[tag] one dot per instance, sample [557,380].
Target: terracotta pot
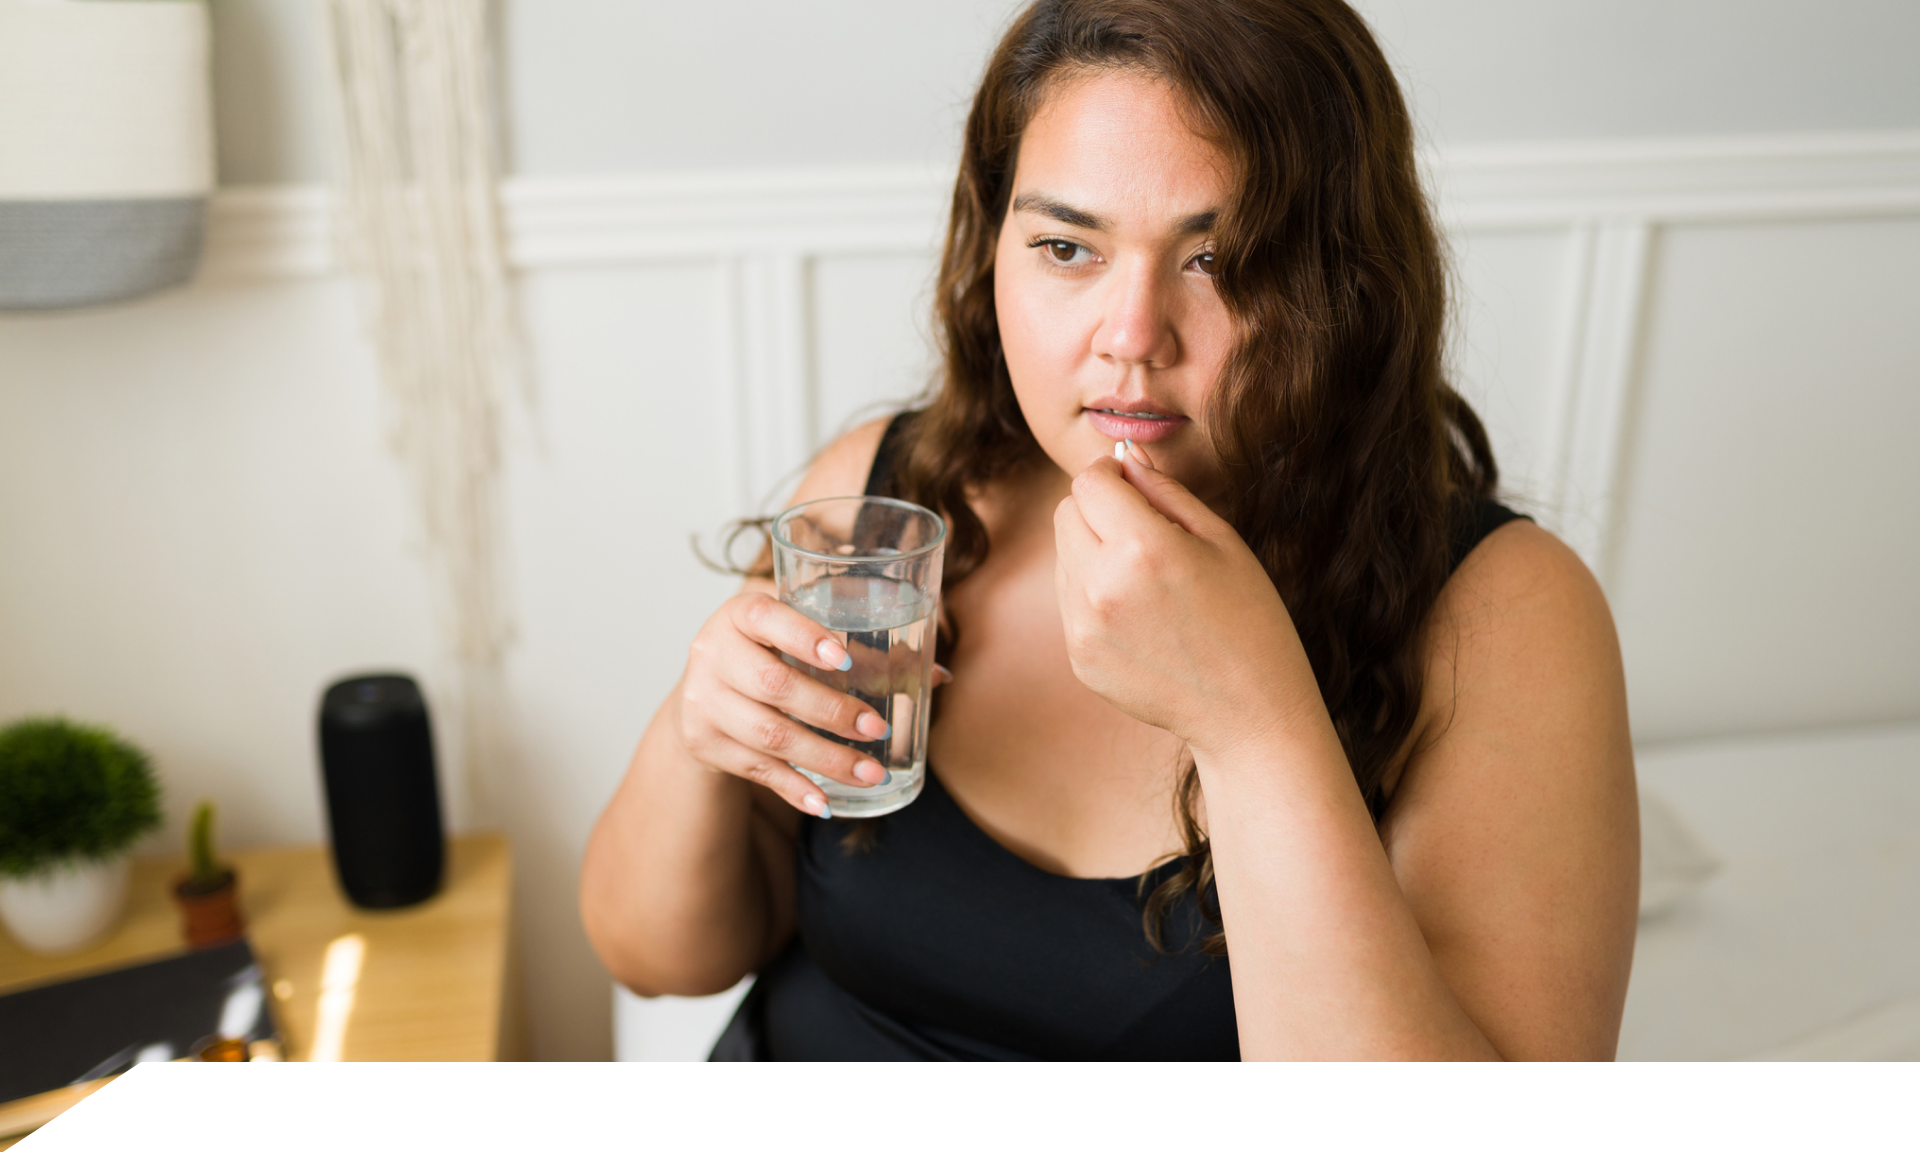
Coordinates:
[211,917]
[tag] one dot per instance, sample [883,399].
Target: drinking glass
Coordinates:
[868,568]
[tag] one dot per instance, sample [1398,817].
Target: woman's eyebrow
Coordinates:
[1073,217]
[1198,222]
[1046,205]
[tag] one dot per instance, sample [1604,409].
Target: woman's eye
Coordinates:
[1063,251]
[1202,263]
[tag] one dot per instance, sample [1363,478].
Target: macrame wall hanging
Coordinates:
[418,222]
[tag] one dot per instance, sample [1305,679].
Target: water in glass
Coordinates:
[887,627]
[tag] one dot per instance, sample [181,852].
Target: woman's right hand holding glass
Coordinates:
[745,711]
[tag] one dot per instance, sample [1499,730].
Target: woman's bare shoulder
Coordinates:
[841,467]
[1523,595]
[1521,629]
[1514,830]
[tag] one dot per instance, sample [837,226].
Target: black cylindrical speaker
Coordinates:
[376,752]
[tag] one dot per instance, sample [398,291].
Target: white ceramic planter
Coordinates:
[66,907]
[106,148]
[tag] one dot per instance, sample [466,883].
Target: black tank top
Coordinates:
[937,943]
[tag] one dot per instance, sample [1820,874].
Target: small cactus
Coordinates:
[207,872]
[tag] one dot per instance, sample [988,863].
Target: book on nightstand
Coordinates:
[95,1026]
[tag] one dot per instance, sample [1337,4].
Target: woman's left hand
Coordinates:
[1168,613]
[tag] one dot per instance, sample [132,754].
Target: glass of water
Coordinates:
[868,568]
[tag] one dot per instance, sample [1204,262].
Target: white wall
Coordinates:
[1693,355]
[1486,70]
[619,86]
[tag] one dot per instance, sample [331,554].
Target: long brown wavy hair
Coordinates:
[1351,461]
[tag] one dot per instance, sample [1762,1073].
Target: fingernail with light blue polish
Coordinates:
[887,779]
[826,649]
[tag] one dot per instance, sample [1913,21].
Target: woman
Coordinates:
[1276,738]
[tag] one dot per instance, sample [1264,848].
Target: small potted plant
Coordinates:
[73,799]
[209,894]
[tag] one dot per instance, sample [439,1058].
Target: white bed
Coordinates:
[1806,943]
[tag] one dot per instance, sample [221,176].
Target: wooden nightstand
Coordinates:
[433,982]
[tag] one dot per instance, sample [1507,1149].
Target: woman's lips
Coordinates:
[1123,424]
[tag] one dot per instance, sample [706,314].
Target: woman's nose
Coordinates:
[1136,326]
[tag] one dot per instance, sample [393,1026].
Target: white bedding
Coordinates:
[1805,944]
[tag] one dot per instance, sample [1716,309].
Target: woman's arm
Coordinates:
[687,883]
[1497,918]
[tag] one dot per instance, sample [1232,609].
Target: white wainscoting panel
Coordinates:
[1594,380]
[872,334]
[1506,347]
[769,354]
[1768,565]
